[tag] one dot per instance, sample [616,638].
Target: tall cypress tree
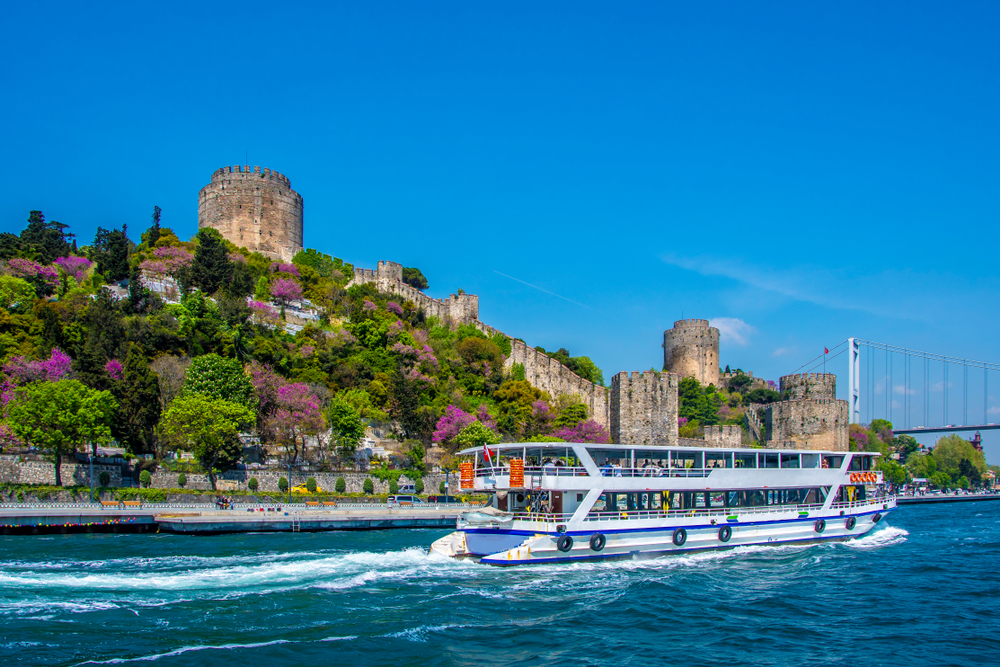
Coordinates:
[212,267]
[138,396]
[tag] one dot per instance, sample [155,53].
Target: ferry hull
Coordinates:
[536,548]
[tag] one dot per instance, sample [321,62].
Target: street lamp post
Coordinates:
[289,481]
[447,479]
[91,476]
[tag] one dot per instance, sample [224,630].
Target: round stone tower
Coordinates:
[809,385]
[691,349]
[257,210]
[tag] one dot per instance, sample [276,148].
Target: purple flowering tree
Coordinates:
[167,261]
[290,269]
[265,383]
[114,369]
[297,415]
[44,278]
[452,421]
[263,314]
[19,371]
[284,290]
[394,307]
[585,431]
[74,266]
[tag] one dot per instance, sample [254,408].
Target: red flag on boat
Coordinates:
[488,455]
[826,351]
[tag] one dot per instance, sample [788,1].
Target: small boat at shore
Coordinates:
[559,502]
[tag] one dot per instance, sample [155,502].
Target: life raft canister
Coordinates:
[851,522]
[597,542]
[565,543]
[680,537]
[725,533]
[820,526]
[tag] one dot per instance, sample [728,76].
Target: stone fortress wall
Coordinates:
[809,385]
[388,279]
[256,209]
[755,383]
[643,408]
[691,349]
[807,424]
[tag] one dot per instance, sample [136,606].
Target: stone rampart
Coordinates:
[810,424]
[643,408]
[725,435]
[691,349]
[255,209]
[547,374]
[809,385]
[388,279]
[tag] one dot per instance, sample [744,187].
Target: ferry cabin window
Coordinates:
[789,460]
[770,461]
[718,459]
[687,459]
[833,462]
[745,460]
[861,462]
[810,460]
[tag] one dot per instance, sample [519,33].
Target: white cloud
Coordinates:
[903,391]
[993,410]
[782,351]
[732,329]
[939,386]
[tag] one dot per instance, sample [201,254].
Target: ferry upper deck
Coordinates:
[571,466]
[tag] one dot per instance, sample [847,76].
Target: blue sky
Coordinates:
[797,172]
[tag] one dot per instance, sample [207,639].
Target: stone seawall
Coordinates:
[267,480]
[42,472]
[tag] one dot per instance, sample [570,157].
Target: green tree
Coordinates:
[182,480]
[413,277]
[102,336]
[441,488]
[514,401]
[16,293]
[47,240]
[894,473]
[218,377]
[138,404]
[477,434]
[951,449]
[145,479]
[207,427]
[104,479]
[152,234]
[253,484]
[346,429]
[61,417]
[110,251]
[941,480]
[212,267]
[393,486]
[921,466]
[282,484]
[340,485]
[762,396]
[311,485]
[419,485]
[369,486]
[571,415]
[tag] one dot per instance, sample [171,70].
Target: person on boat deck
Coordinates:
[606,469]
[617,470]
[560,463]
[548,466]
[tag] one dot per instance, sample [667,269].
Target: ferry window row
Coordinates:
[687,500]
[646,459]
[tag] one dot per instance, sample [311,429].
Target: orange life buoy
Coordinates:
[854,476]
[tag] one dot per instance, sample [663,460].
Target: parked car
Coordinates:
[404,501]
[443,499]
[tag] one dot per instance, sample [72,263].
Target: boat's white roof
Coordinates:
[654,448]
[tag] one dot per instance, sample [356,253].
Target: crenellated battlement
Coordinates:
[643,408]
[809,385]
[691,323]
[244,171]
[388,279]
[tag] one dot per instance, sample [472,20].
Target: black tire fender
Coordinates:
[851,522]
[820,525]
[876,518]
[565,543]
[680,537]
[725,534]
[597,542]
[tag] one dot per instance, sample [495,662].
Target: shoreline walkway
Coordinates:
[943,498]
[194,520]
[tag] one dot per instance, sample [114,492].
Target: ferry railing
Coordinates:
[632,515]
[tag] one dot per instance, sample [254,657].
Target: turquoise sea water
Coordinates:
[921,590]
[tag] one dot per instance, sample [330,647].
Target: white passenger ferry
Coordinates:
[555,502]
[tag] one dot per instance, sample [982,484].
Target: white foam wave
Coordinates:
[22,607]
[183,650]
[883,537]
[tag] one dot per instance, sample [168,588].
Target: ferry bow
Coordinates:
[557,502]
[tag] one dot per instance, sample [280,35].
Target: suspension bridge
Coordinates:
[919,392]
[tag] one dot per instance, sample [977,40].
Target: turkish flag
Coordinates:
[488,454]
[826,351]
